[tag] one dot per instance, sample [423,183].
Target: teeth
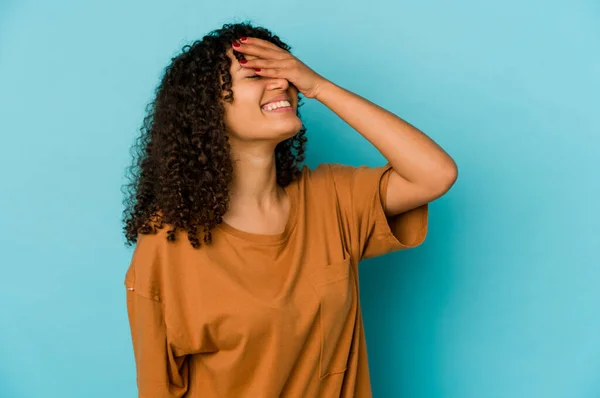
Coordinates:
[275,105]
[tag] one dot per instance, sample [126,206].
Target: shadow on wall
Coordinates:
[403,297]
[403,294]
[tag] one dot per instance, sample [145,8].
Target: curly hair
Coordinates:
[182,170]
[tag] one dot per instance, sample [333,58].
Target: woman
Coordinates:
[244,277]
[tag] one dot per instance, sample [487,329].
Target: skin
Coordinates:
[257,203]
[422,170]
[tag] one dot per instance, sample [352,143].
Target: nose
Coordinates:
[276,83]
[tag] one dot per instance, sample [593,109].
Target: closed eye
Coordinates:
[253,76]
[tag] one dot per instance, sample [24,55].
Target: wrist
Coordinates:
[322,89]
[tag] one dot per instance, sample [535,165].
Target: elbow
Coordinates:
[451,174]
[446,178]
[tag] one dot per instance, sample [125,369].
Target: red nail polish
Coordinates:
[243,61]
[235,44]
[257,69]
[243,38]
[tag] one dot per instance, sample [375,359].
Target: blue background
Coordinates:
[500,301]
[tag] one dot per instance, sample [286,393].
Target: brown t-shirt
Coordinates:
[266,316]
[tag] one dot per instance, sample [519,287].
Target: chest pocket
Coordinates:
[334,286]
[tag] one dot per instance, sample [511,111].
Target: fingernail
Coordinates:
[243,61]
[243,38]
[235,44]
[257,69]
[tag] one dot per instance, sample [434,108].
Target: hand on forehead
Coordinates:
[244,56]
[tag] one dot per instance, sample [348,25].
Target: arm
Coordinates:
[160,372]
[422,171]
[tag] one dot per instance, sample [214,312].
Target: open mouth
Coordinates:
[278,106]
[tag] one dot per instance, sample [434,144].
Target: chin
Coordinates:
[288,129]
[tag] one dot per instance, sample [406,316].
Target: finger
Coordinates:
[259,51]
[261,42]
[262,63]
[270,72]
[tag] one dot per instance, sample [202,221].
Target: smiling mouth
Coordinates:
[277,105]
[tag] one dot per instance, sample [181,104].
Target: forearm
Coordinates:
[411,153]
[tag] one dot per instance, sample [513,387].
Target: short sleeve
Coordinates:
[361,193]
[160,371]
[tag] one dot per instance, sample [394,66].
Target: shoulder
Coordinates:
[343,177]
[326,173]
[154,257]
[144,271]
[316,182]
[328,179]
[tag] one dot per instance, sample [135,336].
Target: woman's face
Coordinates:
[248,118]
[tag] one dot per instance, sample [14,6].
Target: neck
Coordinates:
[254,186]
